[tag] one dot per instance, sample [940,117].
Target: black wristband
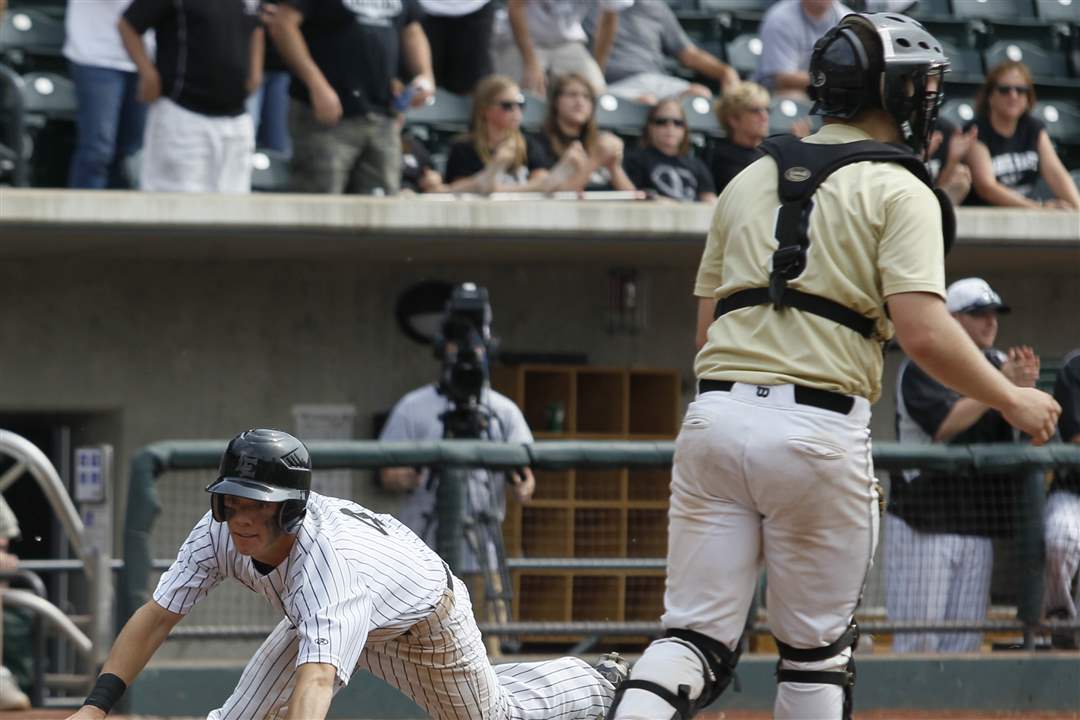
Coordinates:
[107,692]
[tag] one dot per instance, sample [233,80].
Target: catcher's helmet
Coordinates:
[267,465]
[879,60]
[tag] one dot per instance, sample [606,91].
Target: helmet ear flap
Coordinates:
[217,507]
[291,515]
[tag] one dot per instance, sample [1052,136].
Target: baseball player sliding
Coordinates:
[357,591]
[812,250]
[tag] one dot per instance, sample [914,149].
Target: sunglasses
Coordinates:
[661,121]
[1006,89]
[510,105]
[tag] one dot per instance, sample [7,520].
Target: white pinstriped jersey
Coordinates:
[352,576]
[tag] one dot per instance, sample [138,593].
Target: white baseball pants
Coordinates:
[184,151]
[1063,552]
[761,479]
[935,576]
[442,664]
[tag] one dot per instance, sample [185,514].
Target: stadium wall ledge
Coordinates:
[1008,682]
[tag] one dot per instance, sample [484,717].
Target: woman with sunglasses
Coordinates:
[744,114]
[663,163]
[1014,149]
[582,157]
[495,155]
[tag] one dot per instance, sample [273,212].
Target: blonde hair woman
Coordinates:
[744,114]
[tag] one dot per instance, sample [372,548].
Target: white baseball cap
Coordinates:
[971,295]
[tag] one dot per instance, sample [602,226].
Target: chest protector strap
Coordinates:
[802,168]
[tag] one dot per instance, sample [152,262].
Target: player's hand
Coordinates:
[88,712]
[523,484]
[327,105]
[1033,412]
[1022,366]
[149,85]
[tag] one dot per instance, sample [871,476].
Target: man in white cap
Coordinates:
[939,525]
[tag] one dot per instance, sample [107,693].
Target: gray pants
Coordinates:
[360,155]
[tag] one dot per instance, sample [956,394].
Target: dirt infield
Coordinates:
[728,715]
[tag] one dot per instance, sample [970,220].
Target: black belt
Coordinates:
[824,399]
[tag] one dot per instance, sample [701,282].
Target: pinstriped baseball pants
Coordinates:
[1063,552]
[442,664]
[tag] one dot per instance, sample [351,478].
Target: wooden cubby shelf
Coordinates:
[591,513]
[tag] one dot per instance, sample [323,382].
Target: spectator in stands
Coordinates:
[939,526]
[496,156]
[948,150]
[110,119]
[535,39]
[1063,515]
[459,32]
[269,104]
[788,33]
[648,33]
[418,173]
[571,123]
[343,57]
[664,163]
[744,115]
[1013,148]
[209,58]
[11,696]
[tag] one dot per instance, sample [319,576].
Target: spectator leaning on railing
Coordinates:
[344,56]
[110,119]
[649,32]
[1063,514]
[209,58]
[1013,148]
[744,114]
[537,38]
[664,162]
[939,527]
[788,33]
[495,156]
[581,156]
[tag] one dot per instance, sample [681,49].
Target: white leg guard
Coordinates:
[801,700]
[669,663]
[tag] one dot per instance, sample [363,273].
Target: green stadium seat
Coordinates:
[1043,62]
[994,9]
[964,63]
[536,109]
[444,112]
[785,112]
[1062,120]
[1058,10]
[48,96]
[926,9]
[621,116]
[959,112]
[700,117]
[743,54]
[31,39]
[269,171]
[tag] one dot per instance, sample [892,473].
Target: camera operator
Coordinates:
[462,405]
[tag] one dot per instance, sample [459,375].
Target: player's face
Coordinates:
[981,325]
[252,524]
[574,104]
[1008,97]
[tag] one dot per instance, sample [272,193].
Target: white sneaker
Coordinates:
[11,697]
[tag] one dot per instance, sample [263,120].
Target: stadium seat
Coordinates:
[269,171]
[621,116]
[48,96]
[1041,61]
[535,112]
[444,112]
[785,112]
[13,163]
[700,117]
[926,9]
[734,6]
[959,112]
[994,9]
[31,39]
[1062,120]
[966,64]
[743,54]
[1058,10]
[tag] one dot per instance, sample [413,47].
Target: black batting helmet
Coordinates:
[884,61]
[266,465]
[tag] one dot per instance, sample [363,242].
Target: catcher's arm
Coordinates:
[314,691]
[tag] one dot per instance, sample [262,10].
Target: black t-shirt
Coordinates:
[677,177]
[415,159]
[203,50]
[963,503]
[599,180]
[357,45]
[1015,160]
[464,161]
[1067,393]
[729,159]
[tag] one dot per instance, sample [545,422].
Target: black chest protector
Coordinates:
[802,168]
